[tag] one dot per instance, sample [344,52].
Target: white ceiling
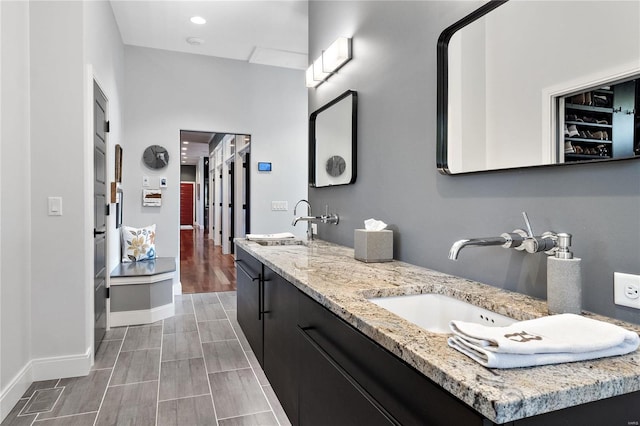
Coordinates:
[267,32]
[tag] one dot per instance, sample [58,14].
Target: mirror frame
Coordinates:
[442,94]
[354,134]
[442,99]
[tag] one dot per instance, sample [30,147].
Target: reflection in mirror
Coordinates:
[332,142]
[601,123]
[505,73]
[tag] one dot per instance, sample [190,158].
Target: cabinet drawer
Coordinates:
[410,397]
[328,394]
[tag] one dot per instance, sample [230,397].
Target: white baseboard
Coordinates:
[177,288]
[143,316]
[14,390]
[42,369]
[62,366]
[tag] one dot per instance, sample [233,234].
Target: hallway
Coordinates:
[195,368]
[203,267]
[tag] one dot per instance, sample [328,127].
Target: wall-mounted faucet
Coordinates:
[325,218]
[518,239]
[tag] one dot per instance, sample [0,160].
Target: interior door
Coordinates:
[186,203]
[100,206]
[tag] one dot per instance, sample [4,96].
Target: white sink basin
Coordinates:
[433,312]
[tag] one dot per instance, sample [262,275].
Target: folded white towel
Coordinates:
[280,236]
[547,340]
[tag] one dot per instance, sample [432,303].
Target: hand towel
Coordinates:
[280,236]
[547,340]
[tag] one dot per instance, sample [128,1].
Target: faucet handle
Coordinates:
[528,224]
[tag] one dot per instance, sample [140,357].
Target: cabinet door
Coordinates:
[329,395]
[280,340]
[409,397]
[249,293]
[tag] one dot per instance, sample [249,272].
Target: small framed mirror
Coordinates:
[332,142]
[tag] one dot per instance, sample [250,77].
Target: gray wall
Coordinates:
[394,71]
[187,173]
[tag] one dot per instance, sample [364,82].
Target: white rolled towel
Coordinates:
[279,236]
[547,340]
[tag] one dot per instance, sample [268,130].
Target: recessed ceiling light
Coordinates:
[185,142]
[184,148]
[198,20]
[195,41]
[184,162]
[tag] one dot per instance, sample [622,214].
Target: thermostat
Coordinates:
[264,167]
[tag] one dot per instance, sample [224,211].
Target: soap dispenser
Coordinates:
[564,279]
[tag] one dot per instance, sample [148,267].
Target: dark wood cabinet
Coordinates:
[394,392]
[280,317]
[325,372]
[249,294]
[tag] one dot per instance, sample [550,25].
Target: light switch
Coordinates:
[145,181]
[55,206]
[279,205]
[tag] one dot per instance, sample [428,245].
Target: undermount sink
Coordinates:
[433,312]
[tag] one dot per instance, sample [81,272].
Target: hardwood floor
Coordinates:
[203,267]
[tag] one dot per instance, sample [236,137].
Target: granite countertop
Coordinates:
[329,274]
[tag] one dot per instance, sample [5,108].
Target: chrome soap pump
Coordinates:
[564,278]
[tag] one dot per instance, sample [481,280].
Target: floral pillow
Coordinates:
[138,243]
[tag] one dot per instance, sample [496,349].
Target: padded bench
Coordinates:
[142,292]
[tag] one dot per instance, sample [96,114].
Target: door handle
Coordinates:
[96,232]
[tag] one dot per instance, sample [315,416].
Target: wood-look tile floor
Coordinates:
[203,267]
[195,368]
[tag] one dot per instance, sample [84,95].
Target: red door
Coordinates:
[186,203]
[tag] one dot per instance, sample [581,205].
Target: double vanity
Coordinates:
[321,325]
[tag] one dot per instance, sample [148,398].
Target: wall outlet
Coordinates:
[314,228]
[281,206]
[626,290]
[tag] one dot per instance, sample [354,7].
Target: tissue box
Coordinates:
[373,246]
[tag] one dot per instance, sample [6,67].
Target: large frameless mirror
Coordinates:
[332,142]
[529,83]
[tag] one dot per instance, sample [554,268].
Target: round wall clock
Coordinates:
[155,157]
[335,166]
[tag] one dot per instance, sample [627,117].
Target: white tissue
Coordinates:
[374,225]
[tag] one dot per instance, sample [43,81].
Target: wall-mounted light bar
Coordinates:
[336,55]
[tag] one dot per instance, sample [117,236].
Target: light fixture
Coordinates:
[338,54]
[318,73]
[195,41]
[184,148]
[309,77]
[185,142]
[198,20]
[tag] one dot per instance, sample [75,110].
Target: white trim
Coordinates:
[62,366]
[142,279]
[143,316]
[14,390]
[43,369]
[177,288]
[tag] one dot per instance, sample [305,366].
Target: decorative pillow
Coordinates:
[138,243]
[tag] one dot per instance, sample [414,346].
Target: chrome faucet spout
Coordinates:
[477,242]
[297,219]
[306,219]
[298,203]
